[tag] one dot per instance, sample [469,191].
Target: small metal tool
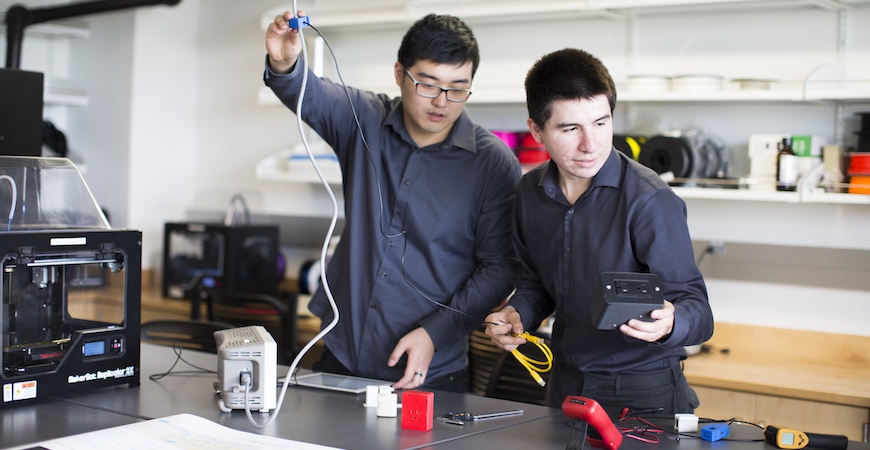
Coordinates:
[450,421]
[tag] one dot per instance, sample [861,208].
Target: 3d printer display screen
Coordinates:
[95,348]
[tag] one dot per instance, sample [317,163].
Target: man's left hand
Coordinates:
[652,331]
[420,349]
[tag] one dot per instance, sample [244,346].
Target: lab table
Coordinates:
[311,415]
[329,418]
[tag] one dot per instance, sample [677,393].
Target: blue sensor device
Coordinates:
[300,22]
[714,432]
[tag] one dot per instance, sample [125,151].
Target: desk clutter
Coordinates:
[458,420]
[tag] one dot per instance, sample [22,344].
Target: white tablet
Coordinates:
[335,382]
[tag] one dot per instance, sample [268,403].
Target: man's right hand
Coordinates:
[283,43]
[501,334]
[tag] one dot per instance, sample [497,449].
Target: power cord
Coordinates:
[323,253]
[177,348]
[714,248]
[14,199]
[648,432]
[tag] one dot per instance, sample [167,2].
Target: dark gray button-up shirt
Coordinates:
[629,220]
[444,228]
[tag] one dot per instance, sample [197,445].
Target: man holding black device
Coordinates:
[591,210]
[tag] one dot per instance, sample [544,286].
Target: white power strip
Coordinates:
[247,369]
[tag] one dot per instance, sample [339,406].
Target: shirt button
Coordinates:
[568,358]
[375,306]
[571,211]
[398,213]
[383,274]
[390,244]
[567,249]
[407,182]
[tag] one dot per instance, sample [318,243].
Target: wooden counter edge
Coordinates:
[807,365]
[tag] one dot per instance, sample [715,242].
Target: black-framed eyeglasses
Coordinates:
[431,91]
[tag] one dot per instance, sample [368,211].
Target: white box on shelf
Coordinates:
[806,145]
[762,160]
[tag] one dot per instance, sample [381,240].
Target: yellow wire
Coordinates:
[534,366]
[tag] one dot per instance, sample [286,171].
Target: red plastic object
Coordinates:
[859,164]
[586,409]
[418,410]
[528,141]
[527,156]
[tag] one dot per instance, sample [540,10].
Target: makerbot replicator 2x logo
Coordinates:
[122,372]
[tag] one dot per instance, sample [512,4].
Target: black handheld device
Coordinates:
[621,296]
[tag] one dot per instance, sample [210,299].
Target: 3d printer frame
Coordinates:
[237,258]
[54,337]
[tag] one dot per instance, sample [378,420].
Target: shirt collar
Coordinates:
[610,173]
[462,135]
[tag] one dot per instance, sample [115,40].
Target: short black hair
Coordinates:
[567,74]
[442,39]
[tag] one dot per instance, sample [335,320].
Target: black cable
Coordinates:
[709,249]
[731,421]
[177,348]
[362,137]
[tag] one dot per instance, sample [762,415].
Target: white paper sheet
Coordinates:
[180,431]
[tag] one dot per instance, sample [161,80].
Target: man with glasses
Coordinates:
[425,253]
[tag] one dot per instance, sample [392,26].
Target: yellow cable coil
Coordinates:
[535,367]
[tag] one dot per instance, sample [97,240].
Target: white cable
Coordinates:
[14,199]
[323,251]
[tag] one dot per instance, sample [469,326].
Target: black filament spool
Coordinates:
[667,154]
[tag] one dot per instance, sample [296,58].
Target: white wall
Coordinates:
[163,137]
[234,132]
[174,128]
[100,132]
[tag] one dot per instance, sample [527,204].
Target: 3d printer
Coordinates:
[59,333]
[239,258]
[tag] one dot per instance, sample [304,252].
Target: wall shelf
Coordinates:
[54,29]
[62,96]
[58,30]
[749,195]
[501,11]
[812,89]
[838,91]
[835,82]
[515,95]
[294,166]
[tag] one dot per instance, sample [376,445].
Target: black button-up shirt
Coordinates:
[444,228]
[629,220]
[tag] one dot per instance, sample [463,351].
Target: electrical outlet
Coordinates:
[717,248]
